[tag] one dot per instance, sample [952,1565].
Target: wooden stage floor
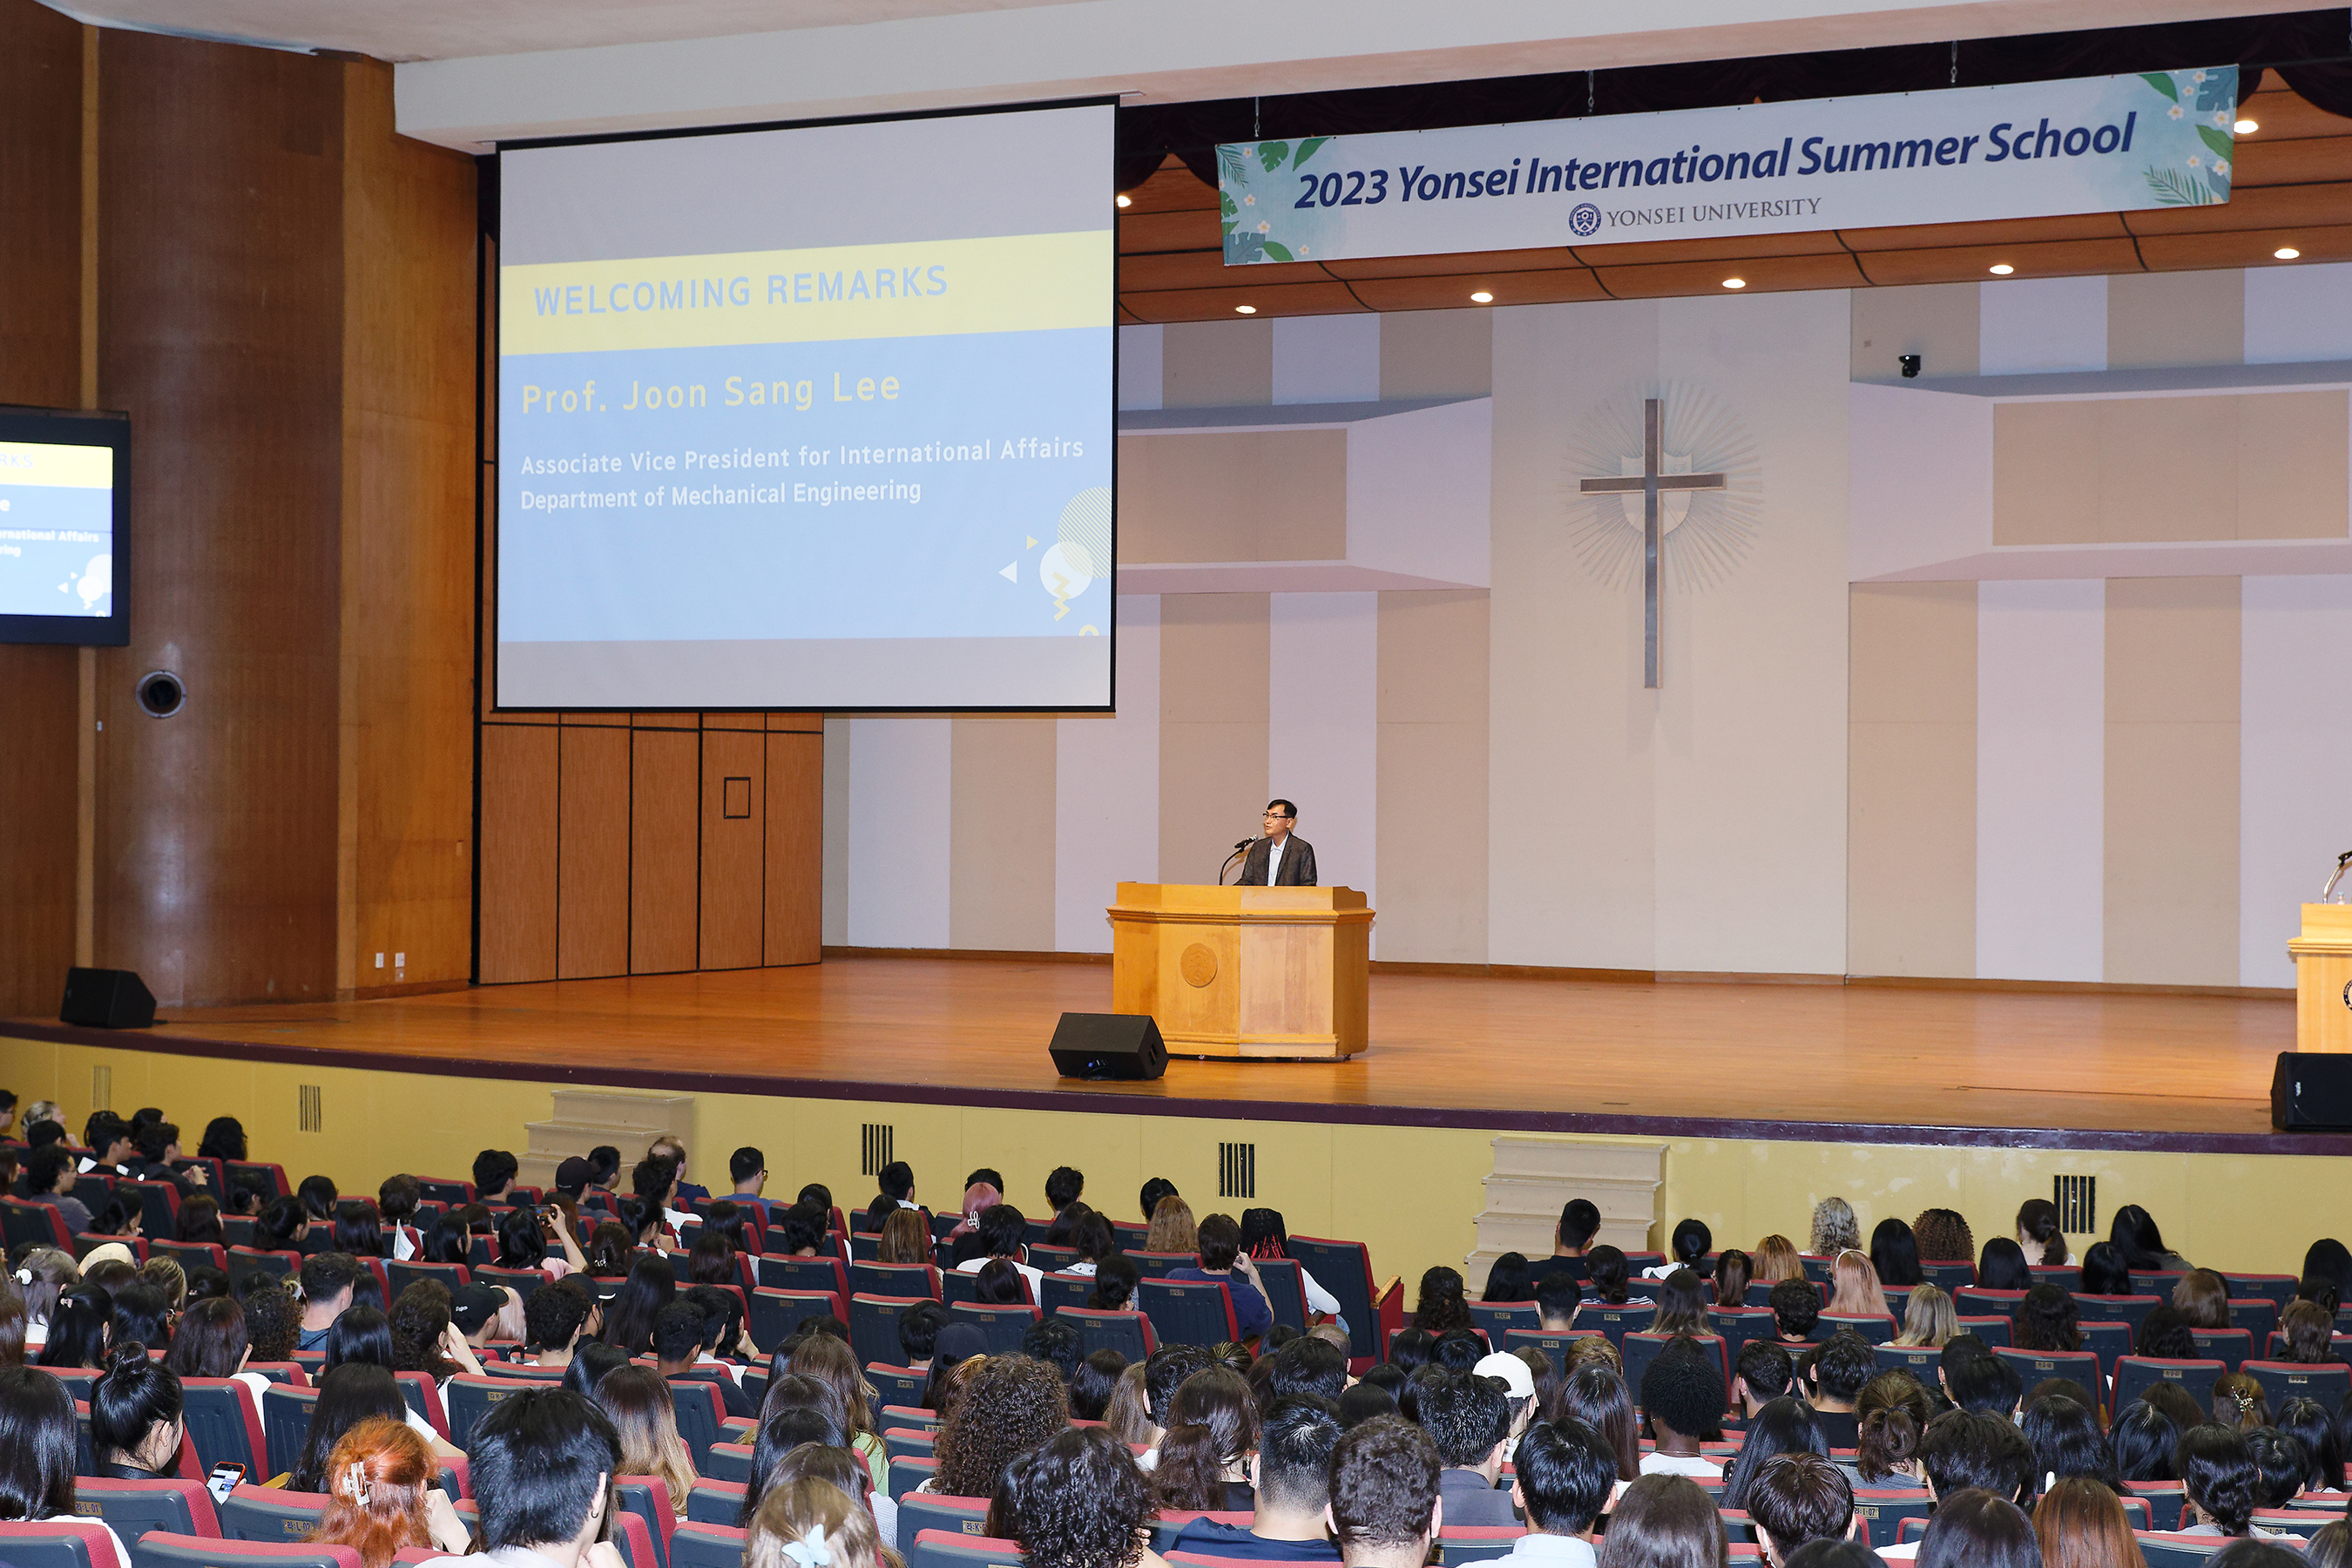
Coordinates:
[1873,1063]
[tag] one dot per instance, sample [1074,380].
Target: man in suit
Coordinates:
[1279,859]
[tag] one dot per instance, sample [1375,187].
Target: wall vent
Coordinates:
[2077,1198]
[310,1116]
[880,1137]
[1237,1169]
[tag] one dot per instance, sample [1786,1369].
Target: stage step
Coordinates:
[1535,1177]
[583,1119]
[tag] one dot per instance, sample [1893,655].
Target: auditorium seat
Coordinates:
[1975,1300]
[693,1545]
[28,1224]
[1285,1293]
[827,1274]
[521,1281]
[180,1505]
[700,1408]
[874,1325]
[909,1443]
[2177,1550]
[1994,1331]
[1820,1271]
[441,1190]
[248,1261]
[1737,1325]
[192,1254]
[2232,1347]
[2278,1289]
[253,1513]
[1001,1327]
[2300,1522]
[1884,1508]
[1345,1269]
[267,1177]
[77,1379]
[2109,1341]
[905,1478]
[1949,1276]
[1057,1291]
[909,1416]
[87,1242]
[772,1315]
[952,1548]
[1458,1544]
[728,1462]
[284,1421]
[2258,1315]
[1160,1264]
[1188,1312]
[647,1496]
[2285,1380]
[466,1399]
[2135,1374]
[919,1512]
[902,1281]
[65,1543]
[1922,1361]
[1046,1259]
[2165,1501]
[1875,1327]
[424,1397]
[2155,1282]
[159,1206]
[714,1502]
[1553,1344]
[2036,1367]
[1616,1322]
[1641,1348]
[223,1422]
[896,1385]
[2129,1310]
[399,1276]
[1496,1320]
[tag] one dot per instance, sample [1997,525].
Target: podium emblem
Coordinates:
[1197,964]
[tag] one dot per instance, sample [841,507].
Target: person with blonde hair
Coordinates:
[1834,1228]
[638,1400]
[813,1523]
[1172,1229]
[381,1496]
[1858,1292]
[1775,1259]
[1928,1319]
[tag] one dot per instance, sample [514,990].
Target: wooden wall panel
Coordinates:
[592,908]
[795,847]
[520,854]
[220,321]
[663,860]
[40,363]
[734,813]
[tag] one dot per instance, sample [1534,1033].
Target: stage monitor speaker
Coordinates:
[2312,1092]
[106,999]
[1109,1045]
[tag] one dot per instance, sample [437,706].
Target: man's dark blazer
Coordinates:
[1297,864]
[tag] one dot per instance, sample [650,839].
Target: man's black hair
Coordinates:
[1961,1448]
[493,1169]
[1985,1385]
[817,1195]
[1063,1186]
[745,1163]
[1287,808]
[326,1275]
[895,1180]
[1457,1350]
[1002,1229]
[1961,1348]
[1796,1306]
[538,1460]
[919,1329]
[1558,1292]
[41,1134]
[1580,1222]
[101,1130]
[677,1332]
[45,1164]
[603,1164]
[1166,1369]
[993,1178]
[1844,1362]
[1767,1369]
[798,1227]
[1294,1453]
[1309,1366]
[1056,1343]
[1157,1189]
[1684,1388]
[1566,1471]
[1464,1416]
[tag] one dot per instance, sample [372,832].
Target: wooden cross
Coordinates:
[1650,482]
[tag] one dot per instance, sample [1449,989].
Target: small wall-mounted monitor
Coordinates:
[65,526]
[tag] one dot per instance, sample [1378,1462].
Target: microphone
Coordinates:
[1246,844]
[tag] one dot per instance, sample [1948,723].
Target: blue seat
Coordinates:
[133,1507]
[1286,1297]
[1001,1327]
[915,1279]
[820,1273]
[284,1421]
[2164,1500]
[874,1325]
[701,1409]
[2109,1341]
[1458,1544]
[728,1462]
[1994,1331]
[944,1549]
[1057,1291]
[270,1514]
[1885,1508]
[713,1502]
[1188,1312]
[399,1276]
[1616,1322]
[1130,1333]
[60,1543]
[2232,1347]
[1949,1276]
[647,1496]
[1641,1349]
[698,1545]
[773,1313]
[2135,1375]
[1554,1345]
[896,1385]
[469,1398]
[2160,1551]
[905,1475]
[2283,1379]
[918,1511]
[2278,1289]
[1160,1264]
[2258,1315]
[1502,1316]
[1922,1361]
[1875,1327]
[2130,1310]
[909,1443]
[955,1287]
[223,1422]
[1345,1269]
[2038,1366]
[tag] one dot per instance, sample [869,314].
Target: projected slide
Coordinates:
[809,418]
[56,530]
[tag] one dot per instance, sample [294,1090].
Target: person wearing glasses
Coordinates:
[1281,859]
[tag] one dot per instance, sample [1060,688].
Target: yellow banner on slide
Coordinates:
[1017,283]
[74,468]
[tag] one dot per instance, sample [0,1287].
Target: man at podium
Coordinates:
[1280,859]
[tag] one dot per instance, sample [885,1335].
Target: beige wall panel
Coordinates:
[663,867]
[734,836]
[2172,781]
[1912,814]
[592,908]
[1938,321]
[1216,365]
[1213,717]
[836,901]
[791,930]
[1433,651]
[518,856]
[1437,354]
[1001,810]
[2175,318]
[1182,498]
[2114,470]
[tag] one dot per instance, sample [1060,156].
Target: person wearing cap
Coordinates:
[475,1308]
[573,1177]
[1519,1387]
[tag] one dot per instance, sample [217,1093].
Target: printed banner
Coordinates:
[1964,156]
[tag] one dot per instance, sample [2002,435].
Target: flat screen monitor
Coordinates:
[65,527]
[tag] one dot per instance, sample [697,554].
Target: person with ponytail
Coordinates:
[79,1329]
[1443,1303]
[2038,1233]
[813,1523]
[39,1440]
[381,1497]
[2217,1471]
[1211,1429]
[1733,1270]
[135,1427]
[1890,1413]
[1115,1278]
[42,1275]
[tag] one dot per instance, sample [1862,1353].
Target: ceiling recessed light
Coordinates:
[2002,269]
[1482,297]
[2286,253]
[1735,282]
[2246,128]
[1124,200]
[1247,309]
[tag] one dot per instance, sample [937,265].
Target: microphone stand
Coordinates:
[1239,851]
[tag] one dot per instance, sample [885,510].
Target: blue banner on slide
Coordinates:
[57,551]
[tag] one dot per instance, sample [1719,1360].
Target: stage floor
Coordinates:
[1877,1063]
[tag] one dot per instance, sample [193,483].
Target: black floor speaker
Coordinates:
[1109,1045]
[106,999]
[2312,1092]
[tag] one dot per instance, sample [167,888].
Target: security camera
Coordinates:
[1910,363]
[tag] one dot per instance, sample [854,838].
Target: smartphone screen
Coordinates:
[224,1480]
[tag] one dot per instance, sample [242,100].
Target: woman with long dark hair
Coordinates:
[2002,1266]
[1115,1278]
[2067,1442]
[1733,1268]
[79,1329]
[629,1320]
[2218,1473]
[359,1228]
[2140,1440]
[1784,1426]
[38,1444]
[2135,1234]
[1078,1501]
[1442,1304]
[1211,1429]
[1597,1396]
[135,1427]
[1894,1253]
[2038,1233]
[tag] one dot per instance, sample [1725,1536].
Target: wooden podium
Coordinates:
[1245,971]
[2323,972]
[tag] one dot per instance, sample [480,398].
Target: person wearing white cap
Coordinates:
[1519,1387]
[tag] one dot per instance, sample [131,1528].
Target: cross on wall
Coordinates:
[1651,482]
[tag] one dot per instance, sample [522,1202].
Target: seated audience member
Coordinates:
[540,1464]
[39,1440]
[830,1362]
[1942,1237]
[1266,1235]
[1442,1305]
[1056,1343]
[81,1326]
[1890,1414]
[318,1197]
[2202,1298]
[43,1274]
[1409,1350]
[1557,1293]
[199,1222]
[1290,1480]
[384,1498]
[798,1232]
[904,1239]
[524,1235]
[1834,1228]
[2038,1233]
[1518,1385]
[1971,1529]
[896,1181]
[142,1311]
[1079,1500]
[1507,1279]
[654,1183]
[1761,1376]
[1894,1253]
[424,1338]
[2217,1471]
[1580,1222]
[956,1345]
[1458,1350]
[1385,1506]
[747,1172]
[1798,1497]
[2002,1267]
[1981,1381]
[1564,1473]
[1064,1186]
[486,1312]
[1010,1406]
[211,1341]
[1928,1318]
[555,1319]
[1682,1395]
[2048,1320]
[396,1200]
[1844,1362]
[358,1229]
[2081,1523]
[1367,1401]
[1596,1395]
[2308,1333]
[1784,1426]
[50,1177]
[2177,1402]
[2104,1271]
[2283,1463]
[1470,1421]
[1001,1285]
[637,1401]
[629,1316]
[1733,1270]
[348,1395]
[1147,1203]
[678,1342]
[134,1417]
[1775,1259]
[688,1193]
[812,1522]
[2240,1401]
[1002,1231]
[1681,1305]
[327,1279]
[2135,1234]
[1856,1291]
[1172,1228]
[1310,1366]
[1961,1449]
[2310,1420]
[1606,1275]
[2067,1443]
[1094,1383]
[572,1177]
[1796,1308]
[2140,1442]
[112,1146]
[918,1331]
[603,1167]
[1664,1521]
[1209,1427]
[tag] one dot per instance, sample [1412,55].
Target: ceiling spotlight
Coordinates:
[2286,253]
[2245,128]
[1735,282]
[1247,309]
[1482,297]
[2002,269]
[1124,200]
